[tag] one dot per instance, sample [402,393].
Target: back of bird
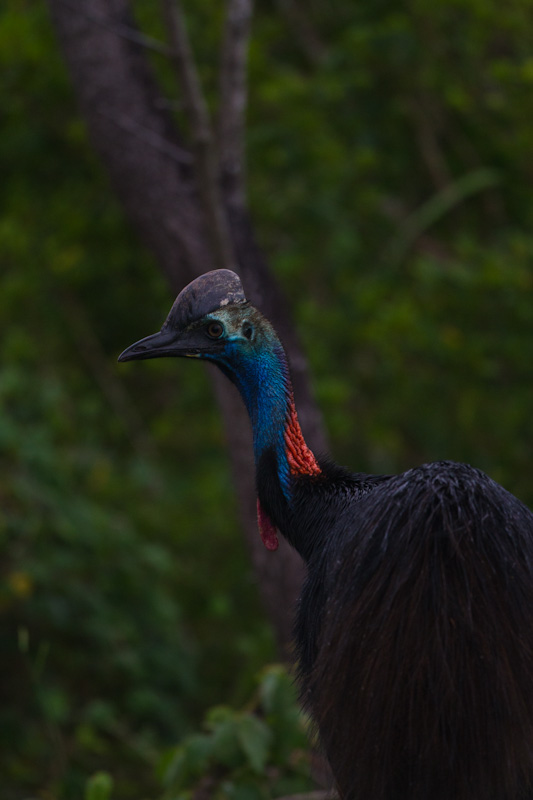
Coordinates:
[423,683]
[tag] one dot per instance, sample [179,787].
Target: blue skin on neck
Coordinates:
[263,380]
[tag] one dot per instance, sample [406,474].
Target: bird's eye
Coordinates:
[247,330]
[215,330]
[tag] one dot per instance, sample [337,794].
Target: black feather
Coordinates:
[414,633]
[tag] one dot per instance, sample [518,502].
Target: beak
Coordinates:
[171,342]
[158,345]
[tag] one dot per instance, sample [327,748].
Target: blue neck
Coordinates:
[264,383]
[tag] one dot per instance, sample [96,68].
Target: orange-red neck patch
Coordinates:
[300,458]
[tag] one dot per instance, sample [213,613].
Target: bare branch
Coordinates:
[125,31]
[121,102]
[98,364]
[183,58]
[233,96]
[152,138]
[197,113]
[434,209]
[430,150]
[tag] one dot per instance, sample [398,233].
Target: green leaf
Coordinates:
[198,749]
[226,745]
[255,739]
[99,787]
[243,791]
[276,690]
[172,766]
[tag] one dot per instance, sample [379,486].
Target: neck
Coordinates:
[266,388]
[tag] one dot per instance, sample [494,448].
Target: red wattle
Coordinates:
[267,529]
[300,458]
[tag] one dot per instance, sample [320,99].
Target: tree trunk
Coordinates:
[153,174]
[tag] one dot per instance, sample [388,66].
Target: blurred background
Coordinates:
[389,161]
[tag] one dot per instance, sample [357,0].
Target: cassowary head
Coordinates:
[210,319]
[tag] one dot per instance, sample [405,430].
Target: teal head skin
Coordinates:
[212,320]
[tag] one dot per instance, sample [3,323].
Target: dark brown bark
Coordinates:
[203,145]
[232,101]
[153,174]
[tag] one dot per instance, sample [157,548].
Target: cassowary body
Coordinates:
[415,627]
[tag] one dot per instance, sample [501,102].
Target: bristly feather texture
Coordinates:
[414,632]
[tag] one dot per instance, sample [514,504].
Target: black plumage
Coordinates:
[414,631]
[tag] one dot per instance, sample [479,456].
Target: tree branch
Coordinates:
[197,113]
[434,209]
[159,193]
[106,378]
[120,29]
[430,150]
[153,138]
[232,102]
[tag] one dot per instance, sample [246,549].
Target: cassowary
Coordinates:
[414,633]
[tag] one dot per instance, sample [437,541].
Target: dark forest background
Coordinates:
[389,178]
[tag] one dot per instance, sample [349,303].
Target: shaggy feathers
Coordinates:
[422,684]
[415,627]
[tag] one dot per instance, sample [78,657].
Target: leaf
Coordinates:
[198,748]
[172,766]
[99,787]
[276,689]
[187,762]
[226,745]
[243,791]
[255,739]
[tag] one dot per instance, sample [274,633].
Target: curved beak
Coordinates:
[171,342]
[158,345]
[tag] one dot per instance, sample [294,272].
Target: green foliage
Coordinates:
[390,179]
[99,787]
[75,567]
[258,752]
[117,624]
[254,753]
[391,190]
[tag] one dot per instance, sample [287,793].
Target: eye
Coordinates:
[215,330]
[247,330]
